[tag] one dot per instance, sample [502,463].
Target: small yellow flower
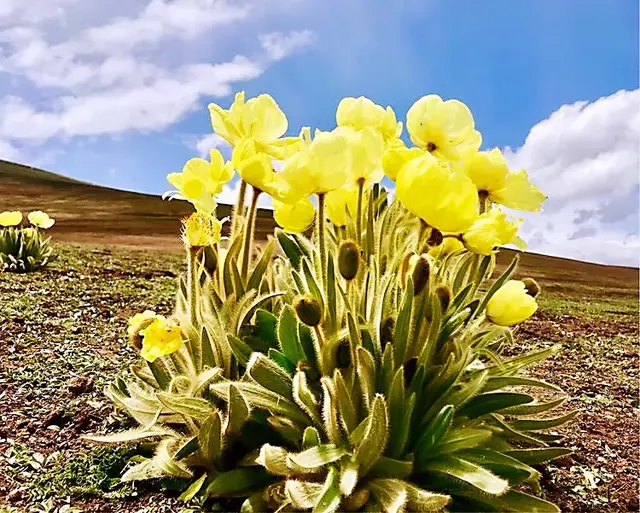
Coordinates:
[200,230]
[160,338]
[511,304]
[254,167]
[366,147]
[200,181]
[490,173]
[397,155]
[259,120]
[296,217]
[40,219]
[449,245]
[341,201]
[137,320]
[319,167]
[444,128]
[360,113]
[29,232]
[444,199]
[490,230]
[10,218]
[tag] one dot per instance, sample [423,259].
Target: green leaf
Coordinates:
[241,350]
[458,469]
[375,436]
[391,494]
[318,456]
[332,300]
[310,438]
[161,373]
[238,411]
[131,435]
[537,456]
[330,497]
[270,375]
[193,489]
[305,398]
[533,408]
[366,371]
[493,402]
[503,465]
[392,468]
[281,360]
[403,325]
[435,432]
[423,500]
[346,408]
[191,407]
[348,476]
[461,438]
[261,266]
[519,501]
[504,277]
[497,382]
[237,482]
[302,494]
[210,437]
[288,335]
[267,327]
[536,425]
[290,248]
[312,284]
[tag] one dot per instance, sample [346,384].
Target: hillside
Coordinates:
[88,213]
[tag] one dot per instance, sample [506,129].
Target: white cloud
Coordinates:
[586,158]
[210,142]
[279,45]
[128,73]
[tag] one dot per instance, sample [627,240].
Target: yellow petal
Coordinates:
[418,113]
[397,155]
[341,201]
[39,219]
[10,218]
[487,170]
[263,120]
[296,217]
[511,304]
[160,338]
[519,193]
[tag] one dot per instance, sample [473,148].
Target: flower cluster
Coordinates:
[23,248]
[361,369]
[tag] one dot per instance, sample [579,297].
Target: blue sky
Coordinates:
[117,94]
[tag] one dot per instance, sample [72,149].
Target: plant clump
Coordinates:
[24,248]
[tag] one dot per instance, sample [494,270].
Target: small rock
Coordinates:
[15,495]
[55,417]
[80,385]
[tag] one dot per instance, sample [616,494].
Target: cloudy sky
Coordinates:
[115,92]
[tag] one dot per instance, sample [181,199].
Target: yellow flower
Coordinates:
[255,168]
[40,219]
[444,199]
[360,113]
[160,338]
[137,320]
[490,173]
[259,120]
[319,167]
[366,147]
[29,232]
[397,155]
[444,128]
[490,230]
[449,245]
[511,304]
[296,217]
[10,218]
[200,230]
[200,181]
[341,201]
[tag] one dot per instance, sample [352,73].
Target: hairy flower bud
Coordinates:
[348,260]
[356,500]
[443,292]
[420,274]
[435,238]
[343,354]
[531,286]
[309,310]
[210,259]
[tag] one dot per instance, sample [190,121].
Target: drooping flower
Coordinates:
[201,230]
[341,201]
[397,155]
[10,218]
[319,167]
[200,181]
[295,217]
[490,230]
[161,337]
[361,113]
[511,304]
[259,120]
[490,173]
[444,199]
[444,128]
[40,219]
[254,168]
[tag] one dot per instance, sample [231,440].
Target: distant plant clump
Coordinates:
[24,248]
[361,369]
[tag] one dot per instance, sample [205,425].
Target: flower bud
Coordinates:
[356,500]
[443,292]
[343,354]
[309,310]
[420,274]
[531,286]
[348,260]
[210,259]
[386,331]
[435,238]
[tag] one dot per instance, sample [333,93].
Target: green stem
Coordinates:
[192,276]
[249,232]
[238,212]
[320,227]
[359,212]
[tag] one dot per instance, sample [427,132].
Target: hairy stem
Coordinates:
[359,212]
[249,232]
[320,232]
[238,212]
